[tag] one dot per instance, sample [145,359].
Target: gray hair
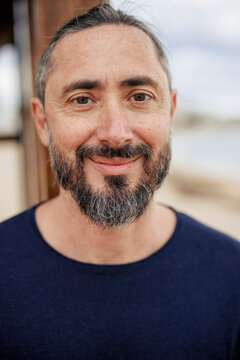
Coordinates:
[98,15]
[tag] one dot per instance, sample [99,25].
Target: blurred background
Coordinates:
[202,40]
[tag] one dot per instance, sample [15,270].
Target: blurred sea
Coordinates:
[208,151]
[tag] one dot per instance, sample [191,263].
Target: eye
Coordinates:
[140,97]
[82,100]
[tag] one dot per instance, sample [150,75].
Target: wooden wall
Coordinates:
[45,17]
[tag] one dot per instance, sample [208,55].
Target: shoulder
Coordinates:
[15,221]
[19,245]
[17,227]
[201,232]
[207,245]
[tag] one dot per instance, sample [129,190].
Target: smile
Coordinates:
[115,166]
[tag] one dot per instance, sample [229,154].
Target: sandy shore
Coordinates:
[215,202]
[12,182]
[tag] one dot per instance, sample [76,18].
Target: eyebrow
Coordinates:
[94,84]
[81,85]
[139,80]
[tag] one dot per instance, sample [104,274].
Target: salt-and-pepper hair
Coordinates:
[99,15]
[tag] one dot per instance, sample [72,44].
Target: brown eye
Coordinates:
[140,97]
[82,100]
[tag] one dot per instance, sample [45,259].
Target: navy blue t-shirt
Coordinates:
[182,302]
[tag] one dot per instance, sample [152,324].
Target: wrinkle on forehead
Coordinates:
[102,38]
[88,51]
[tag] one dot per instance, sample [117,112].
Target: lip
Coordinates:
[114,166]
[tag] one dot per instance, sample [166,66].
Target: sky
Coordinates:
[9,85]
[9,90]
[202,38]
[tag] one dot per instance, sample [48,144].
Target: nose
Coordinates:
[113,125]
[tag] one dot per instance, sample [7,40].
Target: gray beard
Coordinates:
[116,204]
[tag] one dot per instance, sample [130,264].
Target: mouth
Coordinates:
[114,166]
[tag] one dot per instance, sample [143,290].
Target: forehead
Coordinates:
[106,52]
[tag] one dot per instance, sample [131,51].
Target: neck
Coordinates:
[70,232]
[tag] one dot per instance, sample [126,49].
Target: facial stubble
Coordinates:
[117,203]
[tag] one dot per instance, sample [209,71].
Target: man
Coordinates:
[101,271]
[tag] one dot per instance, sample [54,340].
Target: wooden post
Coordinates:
[45,17]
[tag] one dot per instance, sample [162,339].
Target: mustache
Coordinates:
[127,151]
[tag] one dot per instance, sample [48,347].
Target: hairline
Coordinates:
[52,58]
[47,61]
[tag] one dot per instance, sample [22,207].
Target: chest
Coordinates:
[97,317]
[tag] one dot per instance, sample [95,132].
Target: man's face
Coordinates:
[109,112]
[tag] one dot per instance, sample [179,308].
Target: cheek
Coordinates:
[71,134]
[156,135]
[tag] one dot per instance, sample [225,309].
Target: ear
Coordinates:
[173,104]
[40,120]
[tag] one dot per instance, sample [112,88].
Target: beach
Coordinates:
[215,202]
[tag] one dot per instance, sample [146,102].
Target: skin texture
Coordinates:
[91,98]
